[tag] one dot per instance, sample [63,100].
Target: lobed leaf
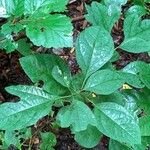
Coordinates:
[39,67]
[78,115]
[33,105]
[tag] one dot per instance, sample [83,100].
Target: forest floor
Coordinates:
[11,73]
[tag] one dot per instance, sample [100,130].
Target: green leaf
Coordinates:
[146,140]
[139,147]
[143,100]
[114,145]
[76,82]
[50,30]
[63,76]
[39,67]
[102,16]
[26,133]
[115,97]
[34,104]
[125,98]
[104,82]
[132,79]
[57,5]
[24,47]
[3,13]
[135,67]
[94,48]
[136,9]
[139,2]
[48,141]
[115,57]
[46,6]
[130,100]
[88,138]
[11,139]
[9,28]
[14,7]
[140,68]
[78,115]
[32,6]
[144,123]
[145,75]
[8,44]
[136,34]
[116,122]
[115,2]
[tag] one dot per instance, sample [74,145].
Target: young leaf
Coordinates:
[48,141]
[39,67]
[114,145]
[102,16]
[94,48]
[137,34]
[78,115]
[34,104]
[144,123]
[88,138]
[50,30]
[104,82]
[123,124]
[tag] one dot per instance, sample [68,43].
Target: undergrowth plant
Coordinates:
[42,19]
[93,102]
